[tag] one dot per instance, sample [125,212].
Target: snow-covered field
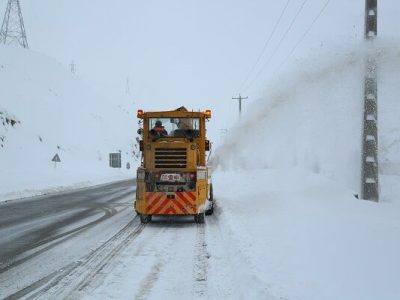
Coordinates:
[56,113]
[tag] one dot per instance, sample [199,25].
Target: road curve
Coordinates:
[40,230]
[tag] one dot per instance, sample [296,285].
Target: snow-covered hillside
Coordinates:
[286,178]
[46,110]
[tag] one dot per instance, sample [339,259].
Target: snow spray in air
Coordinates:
[311,116]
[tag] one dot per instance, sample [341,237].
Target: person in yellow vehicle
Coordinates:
[158,130]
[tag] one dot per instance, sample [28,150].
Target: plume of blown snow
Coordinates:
[312,116]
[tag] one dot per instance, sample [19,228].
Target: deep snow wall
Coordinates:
[311,117]
[55,112]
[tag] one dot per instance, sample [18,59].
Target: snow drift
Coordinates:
[46,110]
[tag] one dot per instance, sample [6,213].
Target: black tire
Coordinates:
[144,219]
[211,193]
[199,218]
[210,211]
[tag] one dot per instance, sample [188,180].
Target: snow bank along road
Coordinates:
[89,243]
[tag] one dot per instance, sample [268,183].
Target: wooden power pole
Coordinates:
[370,172]
[240,98]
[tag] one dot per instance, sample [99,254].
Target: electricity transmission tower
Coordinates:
[13,29]
[370,172]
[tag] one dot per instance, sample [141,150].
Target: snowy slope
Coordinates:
[56,113]
[286,178]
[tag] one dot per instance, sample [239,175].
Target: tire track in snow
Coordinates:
[158,267]
[150,280]
[200,263]
[52,241]
[79,274]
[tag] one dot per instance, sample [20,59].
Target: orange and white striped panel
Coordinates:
[158,203]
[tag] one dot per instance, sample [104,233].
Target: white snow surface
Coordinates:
[56,113]
[299,235]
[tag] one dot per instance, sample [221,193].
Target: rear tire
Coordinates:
[144,219]
[199,218]
[210,211]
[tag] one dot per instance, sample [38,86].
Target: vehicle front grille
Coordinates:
[174,158]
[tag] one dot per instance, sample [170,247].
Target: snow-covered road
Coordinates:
[272,236]
[42,236]
[170,259]
[90,244]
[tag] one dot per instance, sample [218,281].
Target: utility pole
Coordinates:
[127,87]
[370,172]
[73,67]
[13,29]
[240,98]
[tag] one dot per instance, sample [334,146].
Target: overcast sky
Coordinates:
[195,53]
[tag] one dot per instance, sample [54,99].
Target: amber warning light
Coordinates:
[140,113]
[208,113]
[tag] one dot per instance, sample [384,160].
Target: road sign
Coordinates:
[115,160]
[56,158]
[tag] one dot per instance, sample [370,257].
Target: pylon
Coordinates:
[13,29]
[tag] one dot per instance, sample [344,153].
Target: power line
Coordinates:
[278,45]
[303,36]
[265,45]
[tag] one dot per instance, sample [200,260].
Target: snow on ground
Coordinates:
[47,110]
[286,178]
[301,236]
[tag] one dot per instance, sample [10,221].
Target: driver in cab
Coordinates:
[158,130]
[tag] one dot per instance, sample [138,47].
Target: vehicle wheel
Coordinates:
[211,193]
[210,211]
[199,218]
[145,218]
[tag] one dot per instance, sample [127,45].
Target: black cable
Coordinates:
[277,47]
[265,45]
[303,36]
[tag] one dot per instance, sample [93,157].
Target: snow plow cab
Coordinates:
[173,178]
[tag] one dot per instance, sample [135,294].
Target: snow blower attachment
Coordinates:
[173,178]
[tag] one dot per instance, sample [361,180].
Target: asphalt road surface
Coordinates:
[90,244]
[40,235]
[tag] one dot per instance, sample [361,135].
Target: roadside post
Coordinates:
[56,159]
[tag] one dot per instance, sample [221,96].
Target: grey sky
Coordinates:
[186,52]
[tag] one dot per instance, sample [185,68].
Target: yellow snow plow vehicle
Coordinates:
[173,178]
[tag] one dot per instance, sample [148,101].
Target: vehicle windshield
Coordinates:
[174,127]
